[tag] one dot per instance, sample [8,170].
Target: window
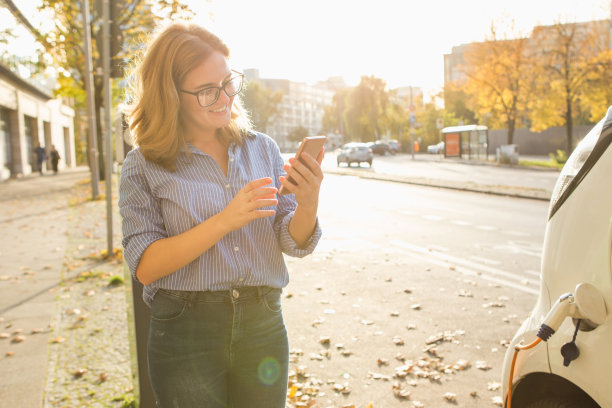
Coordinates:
[5,139]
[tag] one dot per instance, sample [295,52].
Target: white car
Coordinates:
[576,291]
[438,148]
[355,152]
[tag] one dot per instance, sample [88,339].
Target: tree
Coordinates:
[574,73]
[366,107]
[497,74]
[333,115]
[262,103]
[64,44]
[456,101]
[297,134]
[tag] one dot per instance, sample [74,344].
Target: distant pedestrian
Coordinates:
[204,229]
[55,157]
[41,155]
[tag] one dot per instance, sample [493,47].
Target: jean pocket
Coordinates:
[272,300]
[166,307]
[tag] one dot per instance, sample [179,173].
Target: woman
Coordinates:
[204,230]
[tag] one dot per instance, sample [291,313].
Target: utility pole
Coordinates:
[108,126]
[91,107]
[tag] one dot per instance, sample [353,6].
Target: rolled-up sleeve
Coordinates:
[142,222]
[284,214]
[288,244]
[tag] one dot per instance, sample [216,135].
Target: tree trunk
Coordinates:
[569,126]
[511,127]
[100,137]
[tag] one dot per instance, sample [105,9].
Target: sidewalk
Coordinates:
[63,318]
[418,171]
[63,330]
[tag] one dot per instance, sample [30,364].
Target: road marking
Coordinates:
[485,260]
[517,249]
[406,212]
[432,217]
[438,248]
[516,233]
[461,223]
[468,267]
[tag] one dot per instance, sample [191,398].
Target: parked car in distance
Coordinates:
[573,312]
[394,146]
[379,147]
[355,152]
[436,149]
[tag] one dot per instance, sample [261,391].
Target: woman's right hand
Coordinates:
[245,207]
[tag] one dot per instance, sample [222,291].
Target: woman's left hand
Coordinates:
[308,175]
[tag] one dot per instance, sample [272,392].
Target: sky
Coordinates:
[401,41]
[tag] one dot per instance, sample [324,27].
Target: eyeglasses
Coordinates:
[209,96]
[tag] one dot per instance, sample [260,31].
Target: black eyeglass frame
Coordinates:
[219,88]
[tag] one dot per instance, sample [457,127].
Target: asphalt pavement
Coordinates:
[35,215]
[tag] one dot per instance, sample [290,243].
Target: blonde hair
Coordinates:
[155,115]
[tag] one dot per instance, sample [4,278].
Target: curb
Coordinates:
[501,190]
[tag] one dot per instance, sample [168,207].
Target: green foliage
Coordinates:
[366,109]
[559,157]
[64,44]
[116,280]
[456,104]
[333,116]
[297,134]
[262,103]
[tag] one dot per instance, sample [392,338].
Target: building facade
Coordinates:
[30,116]
[302,105]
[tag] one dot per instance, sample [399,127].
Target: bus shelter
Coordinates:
[468,142]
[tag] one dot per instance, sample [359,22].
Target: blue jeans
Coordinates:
[218,349]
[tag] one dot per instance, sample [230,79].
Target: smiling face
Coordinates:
[199,121]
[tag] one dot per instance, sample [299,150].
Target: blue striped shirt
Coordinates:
[156,203]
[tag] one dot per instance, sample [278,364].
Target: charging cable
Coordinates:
[517,348]
[551,323]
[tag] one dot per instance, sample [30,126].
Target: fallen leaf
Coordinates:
[398,341]
[482,365]
[493,386]
[450,397]
[79,373]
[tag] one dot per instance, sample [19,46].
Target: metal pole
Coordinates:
[93,151]
[108,127]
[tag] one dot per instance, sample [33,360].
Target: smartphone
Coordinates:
[311,145]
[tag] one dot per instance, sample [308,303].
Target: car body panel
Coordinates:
[355,153]
[577,249]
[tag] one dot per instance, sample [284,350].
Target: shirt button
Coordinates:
[236,249]
[227,186]
[231,159]
[235,294]
[241,279]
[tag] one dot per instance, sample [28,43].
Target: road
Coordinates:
[467,175]
[405,276]
[408,262]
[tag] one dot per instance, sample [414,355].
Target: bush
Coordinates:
[560,157]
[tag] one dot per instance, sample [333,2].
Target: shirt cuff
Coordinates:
[288,244]
[135,248]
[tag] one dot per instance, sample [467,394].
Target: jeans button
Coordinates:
[235,294]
